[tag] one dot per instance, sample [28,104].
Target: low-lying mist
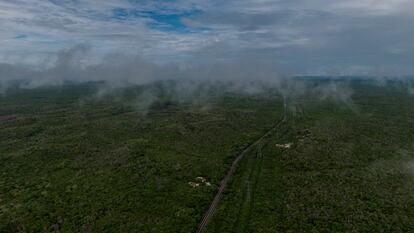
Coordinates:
[195,83]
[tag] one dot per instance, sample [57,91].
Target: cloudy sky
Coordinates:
[307,36]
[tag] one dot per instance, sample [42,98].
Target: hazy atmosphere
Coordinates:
[318,37]
[207,116]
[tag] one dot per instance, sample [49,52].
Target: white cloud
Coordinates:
[303,34]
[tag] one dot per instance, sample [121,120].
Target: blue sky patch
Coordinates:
[170,22]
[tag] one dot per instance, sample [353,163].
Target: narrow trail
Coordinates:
[213,206]
[247,203]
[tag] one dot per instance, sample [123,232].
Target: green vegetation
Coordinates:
[350,170]
[71,162]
